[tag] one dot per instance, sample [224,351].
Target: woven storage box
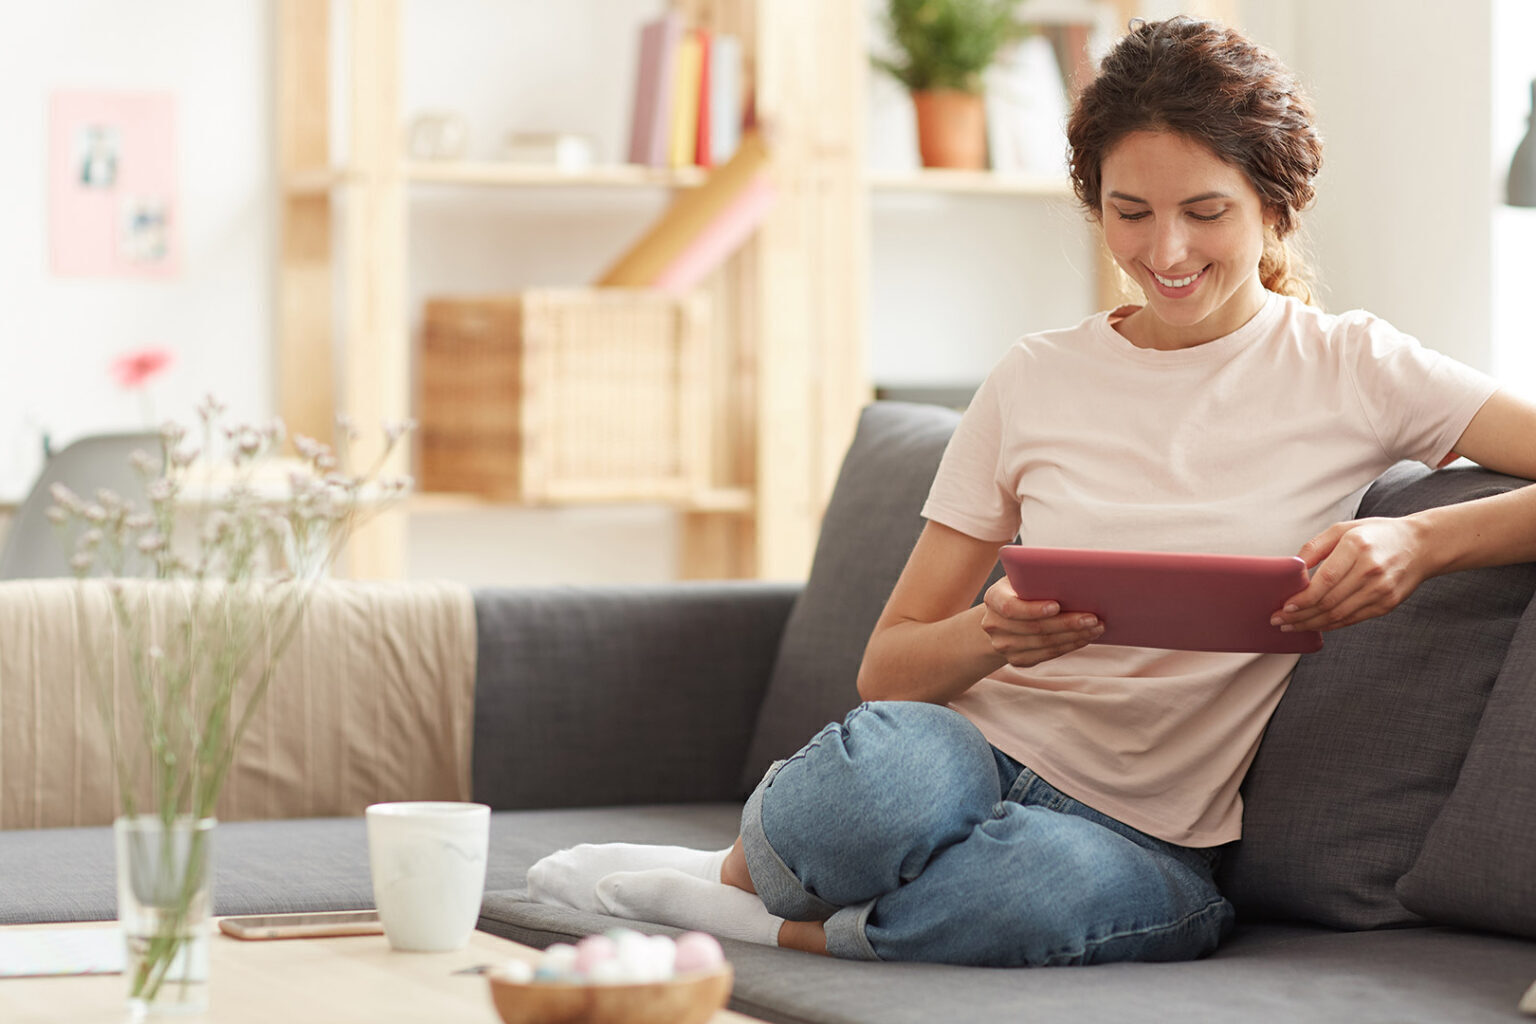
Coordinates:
[566,395]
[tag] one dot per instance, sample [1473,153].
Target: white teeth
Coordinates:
[1179,282]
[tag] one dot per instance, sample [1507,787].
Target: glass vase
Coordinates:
[164,876]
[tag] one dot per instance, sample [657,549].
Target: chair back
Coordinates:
[32,548]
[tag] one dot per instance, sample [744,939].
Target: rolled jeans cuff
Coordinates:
[846,938]
[776,885]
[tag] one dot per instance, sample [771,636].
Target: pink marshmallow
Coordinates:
[697,951]
[593,950]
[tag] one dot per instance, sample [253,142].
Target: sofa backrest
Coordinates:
[1363,752]
[373,701]
[871,523]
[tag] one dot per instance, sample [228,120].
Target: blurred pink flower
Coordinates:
[134,369]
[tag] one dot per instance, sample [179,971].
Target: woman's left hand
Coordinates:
[1364,568]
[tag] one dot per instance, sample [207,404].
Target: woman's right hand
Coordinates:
[1026,633]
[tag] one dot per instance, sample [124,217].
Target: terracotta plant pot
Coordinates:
[951,129]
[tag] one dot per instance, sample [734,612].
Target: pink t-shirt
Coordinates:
[1250,444]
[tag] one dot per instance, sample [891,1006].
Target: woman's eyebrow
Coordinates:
[1202,197]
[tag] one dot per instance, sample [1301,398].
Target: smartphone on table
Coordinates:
[303,926]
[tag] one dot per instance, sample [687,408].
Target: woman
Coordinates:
[1014,793]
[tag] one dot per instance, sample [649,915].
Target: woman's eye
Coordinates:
[1131,216]
[1205,216]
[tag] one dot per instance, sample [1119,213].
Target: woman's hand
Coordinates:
[1026,633]
[1364,568]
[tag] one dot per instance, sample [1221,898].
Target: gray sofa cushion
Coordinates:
[1264,973]
[260,867]
[871,523]
[587,696]
[1364,749]
[1478,864]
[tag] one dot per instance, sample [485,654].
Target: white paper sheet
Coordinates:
[34,952]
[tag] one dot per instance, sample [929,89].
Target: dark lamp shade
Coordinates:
[1522,169]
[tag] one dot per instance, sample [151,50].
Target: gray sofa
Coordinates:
[1388,869]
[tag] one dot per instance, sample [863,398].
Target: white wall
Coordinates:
[1402,222]
[58,335]
[1514,229]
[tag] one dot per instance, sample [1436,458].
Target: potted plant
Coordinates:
[944,46]
[233,567]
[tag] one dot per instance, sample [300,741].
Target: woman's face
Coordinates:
[1189,229]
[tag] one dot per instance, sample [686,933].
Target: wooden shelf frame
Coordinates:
[790,368]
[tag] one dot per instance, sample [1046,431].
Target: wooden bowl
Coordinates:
[690,998]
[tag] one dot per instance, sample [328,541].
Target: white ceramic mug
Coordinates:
[428,864]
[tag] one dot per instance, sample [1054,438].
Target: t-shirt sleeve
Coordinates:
[970,492]
[1417,400]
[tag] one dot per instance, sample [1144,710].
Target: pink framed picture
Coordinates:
[112,185]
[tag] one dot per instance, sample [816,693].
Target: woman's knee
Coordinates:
[901,753]
[892,777]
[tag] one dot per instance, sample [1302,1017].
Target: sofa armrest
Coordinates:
[590,696]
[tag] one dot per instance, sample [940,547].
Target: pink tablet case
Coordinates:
[1175,600]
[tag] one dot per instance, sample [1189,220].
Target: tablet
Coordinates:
[1175,600]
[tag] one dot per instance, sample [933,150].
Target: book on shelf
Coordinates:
[702,152]
[725,97]
[688,104]
[650,130]
[685,100]
[692,215]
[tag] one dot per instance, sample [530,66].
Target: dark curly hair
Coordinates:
[1212,85]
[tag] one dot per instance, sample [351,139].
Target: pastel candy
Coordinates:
[519,972]
[697,951]
[557,964]
[592,951]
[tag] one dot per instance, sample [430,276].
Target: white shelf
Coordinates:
[492,174]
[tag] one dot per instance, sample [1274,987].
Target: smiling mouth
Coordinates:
[1177,282]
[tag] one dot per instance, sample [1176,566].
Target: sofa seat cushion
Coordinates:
[260,867]
[1264,974]
[1366,745]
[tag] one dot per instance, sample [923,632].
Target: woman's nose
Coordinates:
[1169,245]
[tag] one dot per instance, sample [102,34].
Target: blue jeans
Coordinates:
[913,838]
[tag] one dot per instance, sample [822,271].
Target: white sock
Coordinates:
[668,896]
[568,878]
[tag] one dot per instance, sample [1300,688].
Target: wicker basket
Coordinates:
[566,395]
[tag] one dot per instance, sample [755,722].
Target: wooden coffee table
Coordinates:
[296,981]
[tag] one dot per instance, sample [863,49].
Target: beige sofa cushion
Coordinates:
[373,701]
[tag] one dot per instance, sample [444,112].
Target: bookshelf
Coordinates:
[788,377]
